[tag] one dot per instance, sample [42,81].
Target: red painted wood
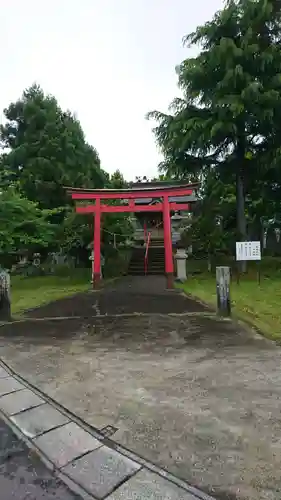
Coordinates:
[97,241]
[158,207]
[169,265]
[113,195]
[165,207]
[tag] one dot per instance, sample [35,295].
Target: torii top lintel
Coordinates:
[122,194]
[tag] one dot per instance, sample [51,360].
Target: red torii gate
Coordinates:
[165,206]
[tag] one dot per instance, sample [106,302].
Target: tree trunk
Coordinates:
[240,214]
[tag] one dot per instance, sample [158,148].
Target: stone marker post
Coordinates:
[180,258]
[5,300]
[223,290]
[92,259]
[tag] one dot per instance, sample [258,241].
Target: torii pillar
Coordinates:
[96,265]
[169,264]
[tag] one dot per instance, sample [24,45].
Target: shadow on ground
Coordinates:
[197,395]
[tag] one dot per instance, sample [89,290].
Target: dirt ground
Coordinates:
[194,394]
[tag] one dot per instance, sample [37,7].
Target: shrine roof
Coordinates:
[162,184]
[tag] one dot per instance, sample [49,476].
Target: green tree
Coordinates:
[76,232]
[228,119]
[117,181]
[212,230]
[23,226]
[44,150]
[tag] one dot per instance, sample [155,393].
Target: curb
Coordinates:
[117,471]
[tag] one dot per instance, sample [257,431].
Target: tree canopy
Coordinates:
[44,150]
[22,224]
[227,121]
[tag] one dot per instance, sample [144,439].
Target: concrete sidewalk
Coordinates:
[89,463]
[165,378]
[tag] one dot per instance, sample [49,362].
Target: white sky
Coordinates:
[109,61]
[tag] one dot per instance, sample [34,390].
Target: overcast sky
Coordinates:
[109,61]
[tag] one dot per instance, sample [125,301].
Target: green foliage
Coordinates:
[117,262]
[22,224]
[212,228]
[75,232]
[228,120]
[117,181]
[45,150]
[118,224]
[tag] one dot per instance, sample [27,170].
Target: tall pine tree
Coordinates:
[228,118]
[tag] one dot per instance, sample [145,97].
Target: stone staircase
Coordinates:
[156,242]
[156,260]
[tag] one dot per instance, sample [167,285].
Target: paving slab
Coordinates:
[19,401]
[101,471]
[8,385]
[64,444]
[38,420]
[3,373]
[146,485]
[23,476]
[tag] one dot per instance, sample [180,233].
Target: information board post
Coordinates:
[259,272]
[249,250]
[223,290]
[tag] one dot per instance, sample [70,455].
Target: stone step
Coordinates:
[150,264]
[153,266]
[158,262]
[148,273]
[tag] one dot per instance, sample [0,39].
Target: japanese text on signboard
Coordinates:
[248,250]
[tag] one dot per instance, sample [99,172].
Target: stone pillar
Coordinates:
[223,290]
[5,299]
[180,258]
[102,261]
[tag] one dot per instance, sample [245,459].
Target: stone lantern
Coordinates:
[181,255]
[176,220]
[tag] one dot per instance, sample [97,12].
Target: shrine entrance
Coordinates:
[159,200]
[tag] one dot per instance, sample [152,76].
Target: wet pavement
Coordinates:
[194,394]
[130,295]
[22,474]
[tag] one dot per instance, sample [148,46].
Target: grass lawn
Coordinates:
[257,304]
[27,293]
